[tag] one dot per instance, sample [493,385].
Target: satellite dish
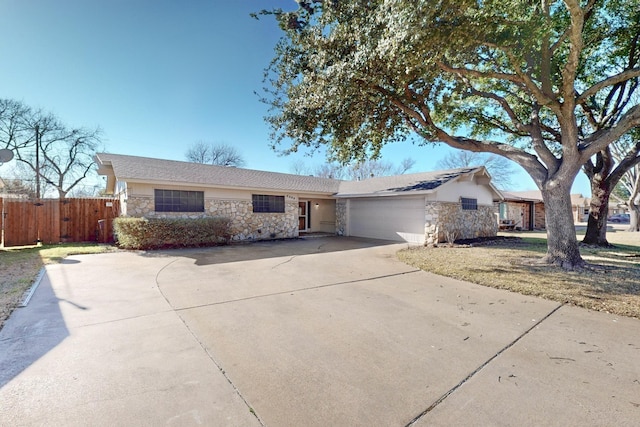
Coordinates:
[5,155]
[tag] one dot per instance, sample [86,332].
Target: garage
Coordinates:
[388,218]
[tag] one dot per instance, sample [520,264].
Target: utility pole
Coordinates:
[38,203]
[37,162]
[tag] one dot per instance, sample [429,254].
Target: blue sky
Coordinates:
[158,75]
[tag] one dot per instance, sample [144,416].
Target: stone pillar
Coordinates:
[341,217]
[431,229]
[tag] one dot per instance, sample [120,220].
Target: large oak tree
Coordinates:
[508,77]
[612,163]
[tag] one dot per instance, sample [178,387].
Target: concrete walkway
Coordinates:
[315,332]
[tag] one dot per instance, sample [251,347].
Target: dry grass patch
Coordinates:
[611,283]
[19,267]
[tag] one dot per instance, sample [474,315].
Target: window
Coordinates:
[179,201]
[503,210]
[264,203]
[469,204]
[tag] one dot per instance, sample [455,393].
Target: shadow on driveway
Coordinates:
[32,332]
[240,252]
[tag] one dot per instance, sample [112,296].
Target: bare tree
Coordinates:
[84,191]
[299,167]
[500,168]
[18,188]
[214,154]
[199,152]
[325,170]
[628,192]
[15,130]
[634,199]
[369,169]
[58,157]
[69,161]
[405,166]
[330,170]
[372,168]
[615,164]
[356,171]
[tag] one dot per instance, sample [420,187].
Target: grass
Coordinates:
[20,266]
[610,283]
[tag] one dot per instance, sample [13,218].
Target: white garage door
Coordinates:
[389,218]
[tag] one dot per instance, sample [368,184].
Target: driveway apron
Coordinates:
[330,331]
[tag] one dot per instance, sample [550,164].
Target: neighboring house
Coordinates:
[581,206]
[8,191]
[616,208]
[427,207]
[523,210]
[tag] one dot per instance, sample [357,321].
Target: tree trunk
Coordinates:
[562,244]
[598,212]
[634,214]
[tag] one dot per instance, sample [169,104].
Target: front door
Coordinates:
[303,213]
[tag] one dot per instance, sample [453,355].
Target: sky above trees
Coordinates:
[157,76]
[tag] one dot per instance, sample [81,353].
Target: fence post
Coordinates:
[3,218]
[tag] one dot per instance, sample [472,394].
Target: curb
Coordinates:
[32,290]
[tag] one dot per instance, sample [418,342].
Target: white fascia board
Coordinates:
[225,187]
[496,191]
[391,194]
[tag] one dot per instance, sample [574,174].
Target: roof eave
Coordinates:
[224,187]
[387,194]
[513,199]
[497,192]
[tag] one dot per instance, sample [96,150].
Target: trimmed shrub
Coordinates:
[156,233]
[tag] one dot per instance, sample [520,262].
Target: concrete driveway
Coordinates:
[316,332]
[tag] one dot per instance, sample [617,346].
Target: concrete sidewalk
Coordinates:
[329,331]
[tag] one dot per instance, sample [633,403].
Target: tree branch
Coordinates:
[539,146]
[462,72]
[502,102]
[631,159]
[618,78]
[598,140]
[528,161]
[572,63]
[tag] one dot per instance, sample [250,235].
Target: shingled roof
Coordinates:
[577,199]
[392,185]
[144,169]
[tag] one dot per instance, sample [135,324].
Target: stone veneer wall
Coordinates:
[446,221]
[341,217]
[138,207]
[245,224]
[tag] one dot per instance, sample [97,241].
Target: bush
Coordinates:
[155,233]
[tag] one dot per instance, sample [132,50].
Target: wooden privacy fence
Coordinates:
[26,222]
